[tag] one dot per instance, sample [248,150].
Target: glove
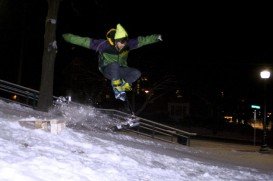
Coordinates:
[66,36]
[159,38]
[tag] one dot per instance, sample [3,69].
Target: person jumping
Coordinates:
[112,56]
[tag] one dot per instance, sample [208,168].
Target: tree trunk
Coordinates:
[50,50]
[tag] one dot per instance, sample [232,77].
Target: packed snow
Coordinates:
[89,150]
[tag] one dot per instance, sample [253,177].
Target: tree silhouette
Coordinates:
[158,89]
[50,49]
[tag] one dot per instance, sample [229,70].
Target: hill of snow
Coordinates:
[88,150]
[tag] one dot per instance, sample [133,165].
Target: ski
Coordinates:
[129,123]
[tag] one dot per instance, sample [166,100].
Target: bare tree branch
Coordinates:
[158,90]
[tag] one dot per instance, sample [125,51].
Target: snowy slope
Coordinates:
[89,150]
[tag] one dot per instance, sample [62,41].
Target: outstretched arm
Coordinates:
[77,40]
[85,42]
[144,40]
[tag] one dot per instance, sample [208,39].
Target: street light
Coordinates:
[265,74]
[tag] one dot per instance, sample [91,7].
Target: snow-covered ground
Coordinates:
[89,150]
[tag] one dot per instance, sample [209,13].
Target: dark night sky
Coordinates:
[215,44]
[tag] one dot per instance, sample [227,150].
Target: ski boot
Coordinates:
[118,90]
[126,86]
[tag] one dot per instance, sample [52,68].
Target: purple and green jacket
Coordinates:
[108,53]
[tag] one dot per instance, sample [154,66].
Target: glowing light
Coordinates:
[229,118]
[265,74]
[14,97]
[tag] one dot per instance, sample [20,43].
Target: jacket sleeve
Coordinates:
[77,40]
[143,40]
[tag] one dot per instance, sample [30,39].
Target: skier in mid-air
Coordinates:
[113,53]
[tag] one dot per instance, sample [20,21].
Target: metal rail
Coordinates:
[25,96]
[151,128]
